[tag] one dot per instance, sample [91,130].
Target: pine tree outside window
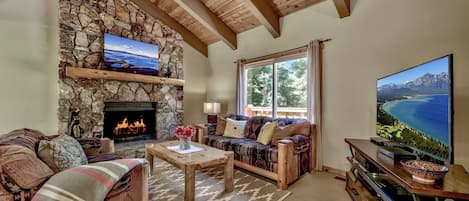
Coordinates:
[277,87]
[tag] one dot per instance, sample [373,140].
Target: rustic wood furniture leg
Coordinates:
[229,173]
[149,158]
[189,178]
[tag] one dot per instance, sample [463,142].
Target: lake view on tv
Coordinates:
[131,56]
[414,108]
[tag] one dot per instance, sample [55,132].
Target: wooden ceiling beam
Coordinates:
[152,9]
[266,15]
[208,19]
[343,7]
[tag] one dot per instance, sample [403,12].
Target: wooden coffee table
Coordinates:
[191,162]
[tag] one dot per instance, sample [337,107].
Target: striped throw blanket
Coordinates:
[87,182]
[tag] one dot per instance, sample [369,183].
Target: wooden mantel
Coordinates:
[77,72]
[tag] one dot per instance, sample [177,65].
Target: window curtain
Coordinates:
[240,87]
[314,54]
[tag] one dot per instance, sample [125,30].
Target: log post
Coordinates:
[285,153]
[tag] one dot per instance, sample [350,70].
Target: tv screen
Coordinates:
[415,108]
[131,56]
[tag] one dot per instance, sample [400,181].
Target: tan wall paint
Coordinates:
[381,37]
[28,55]
[195,90]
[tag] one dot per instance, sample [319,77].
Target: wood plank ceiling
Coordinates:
[232,16]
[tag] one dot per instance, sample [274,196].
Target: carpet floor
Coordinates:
[167,184]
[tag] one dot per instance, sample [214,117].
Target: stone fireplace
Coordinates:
[128,121]
[82,27]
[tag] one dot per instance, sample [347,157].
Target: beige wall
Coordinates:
[28,56]
[195,90]
[381,37]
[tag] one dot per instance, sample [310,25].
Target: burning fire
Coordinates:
[123,127]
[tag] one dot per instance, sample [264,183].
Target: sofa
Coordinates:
[132,186]
[284,162]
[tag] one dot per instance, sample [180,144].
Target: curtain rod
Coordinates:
[284,51]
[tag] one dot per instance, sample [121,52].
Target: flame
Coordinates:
[123,127]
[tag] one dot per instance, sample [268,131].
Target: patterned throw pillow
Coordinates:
[267,131]
[221,125]
[61,153]
[21,169]
[234,129]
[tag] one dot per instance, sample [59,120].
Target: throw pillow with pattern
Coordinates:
[61,153]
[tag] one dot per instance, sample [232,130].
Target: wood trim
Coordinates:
[259,171]
[266,15]
[77,72]
[276,56]
[208,19]
[191,39]
[343,7]
[335,171]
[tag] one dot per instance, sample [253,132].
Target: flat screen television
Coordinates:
[415,108]
[130,56]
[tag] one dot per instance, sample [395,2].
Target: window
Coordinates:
[276,88]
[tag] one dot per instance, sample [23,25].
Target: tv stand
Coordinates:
[372,178]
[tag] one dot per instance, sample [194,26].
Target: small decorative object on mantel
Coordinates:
[168,72]
[74,128]
[423,171]
[184,134]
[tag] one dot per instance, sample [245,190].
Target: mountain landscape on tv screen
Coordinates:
[426,85]
[126,55]
[415,112]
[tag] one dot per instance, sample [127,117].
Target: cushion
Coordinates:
[24,137]
[22,166]
[234,129]
[61,153]
[267,131]
[254,125]
[220,126]
[103,157]
[290,130]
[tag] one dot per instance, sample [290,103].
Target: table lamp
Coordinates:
[211,109]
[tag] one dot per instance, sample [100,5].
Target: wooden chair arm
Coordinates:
[107,145]
[285,157]
[202,130]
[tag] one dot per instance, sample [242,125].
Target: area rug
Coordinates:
[167,184]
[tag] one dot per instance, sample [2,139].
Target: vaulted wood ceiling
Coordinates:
[203,22]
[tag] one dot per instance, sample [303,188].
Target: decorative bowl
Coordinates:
[423,171]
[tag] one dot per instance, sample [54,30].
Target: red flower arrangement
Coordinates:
[184,131]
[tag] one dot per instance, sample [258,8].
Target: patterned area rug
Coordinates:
[167,184]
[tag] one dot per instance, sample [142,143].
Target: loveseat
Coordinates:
[284,162]
[132,186]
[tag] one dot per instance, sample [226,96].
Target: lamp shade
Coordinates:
[211,108]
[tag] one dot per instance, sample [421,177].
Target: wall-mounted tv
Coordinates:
[415,108]
[131,56]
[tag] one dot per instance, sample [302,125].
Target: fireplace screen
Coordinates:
[125,121]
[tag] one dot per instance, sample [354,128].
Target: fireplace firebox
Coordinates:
[128,121]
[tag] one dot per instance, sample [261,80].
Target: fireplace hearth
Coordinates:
[129,121]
